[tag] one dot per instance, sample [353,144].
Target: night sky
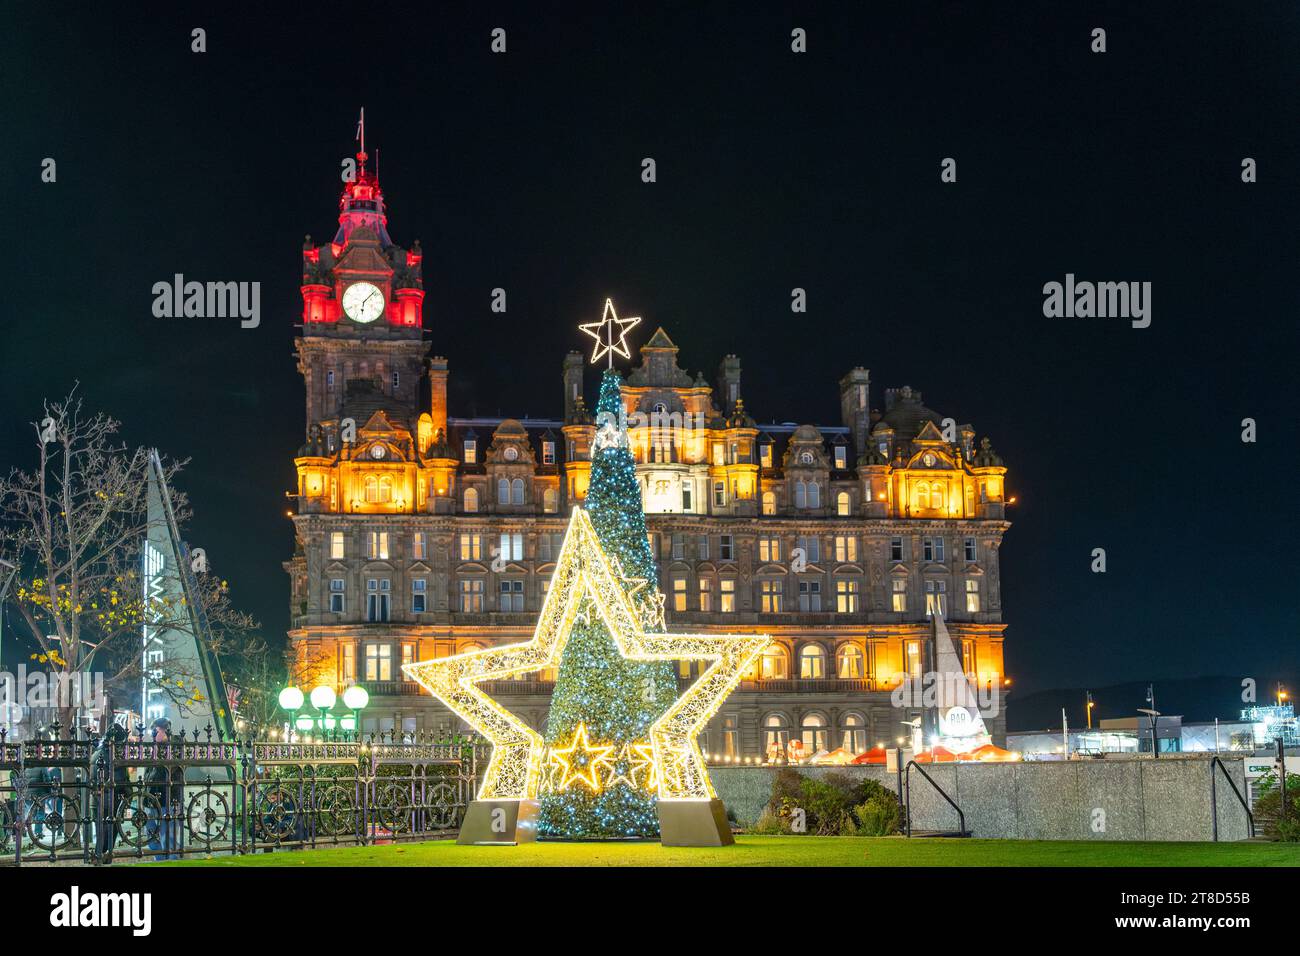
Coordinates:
[775,170]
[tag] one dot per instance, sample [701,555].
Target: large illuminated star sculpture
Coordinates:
[585,575]
[606,343]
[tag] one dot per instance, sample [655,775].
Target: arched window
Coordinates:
[936,497]
[517,491]
[853,733]
[814,495]
[773,664]
[815,733]
[386,488]
[503,491]
[849,662]
[843,504]
[550,501]
[372,489]
[921,496]
[769,503]
[800,494]
[812,662]
[776,735]
[471,500]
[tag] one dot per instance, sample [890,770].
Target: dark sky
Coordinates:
[774,171]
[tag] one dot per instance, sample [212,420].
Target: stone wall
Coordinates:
[1164,799]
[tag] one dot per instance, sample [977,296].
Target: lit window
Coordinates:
[679,594]
[349,663]
[378,545]
[849,662]
[972,596]
[841,457]
[769,548]
[853,733]
[846,597]
[914,662]
[471,547]
[770,597]
[899,595]
[936,596]
[379,662]
[812,662]
[471,500]
[336,545]
[471,451]
[843,504]
[706,595]
[815,734]
[550,501]
[846,548]
[418,546]
[408,657]
[548,453]
[765,455]
[727,591]
[769,503]
[773,663]
[471,596]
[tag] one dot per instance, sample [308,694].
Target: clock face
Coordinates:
[363,302]
[511,453]
[806,458]
[929,460]
[377,451]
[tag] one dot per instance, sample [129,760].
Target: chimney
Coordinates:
[438,394]
[574,363]
[855,407]
[728,384]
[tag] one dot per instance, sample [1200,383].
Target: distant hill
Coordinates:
[1193,698]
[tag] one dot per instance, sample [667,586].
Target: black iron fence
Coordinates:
[81,800]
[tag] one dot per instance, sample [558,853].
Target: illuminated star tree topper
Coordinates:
[610,334]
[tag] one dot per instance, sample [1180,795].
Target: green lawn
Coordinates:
[788,851]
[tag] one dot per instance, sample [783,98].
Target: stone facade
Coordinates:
[421,535]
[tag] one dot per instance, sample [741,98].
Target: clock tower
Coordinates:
[362,346]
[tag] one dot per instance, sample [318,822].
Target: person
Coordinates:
[39,786]
[110,791]
[166,786]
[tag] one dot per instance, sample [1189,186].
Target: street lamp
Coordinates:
[291,701]
[355,699]
[323,698]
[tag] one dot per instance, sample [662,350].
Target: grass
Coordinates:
[786,851]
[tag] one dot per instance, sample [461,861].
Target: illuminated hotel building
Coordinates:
[420,534]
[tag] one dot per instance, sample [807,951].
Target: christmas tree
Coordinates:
[598,779]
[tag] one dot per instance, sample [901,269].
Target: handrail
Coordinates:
[1214,799]
[907,789]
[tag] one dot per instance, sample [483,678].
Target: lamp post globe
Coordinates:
[356,697]
[291,699]
[323,697]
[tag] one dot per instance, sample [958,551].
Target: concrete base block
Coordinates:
[694,823]
[499,823]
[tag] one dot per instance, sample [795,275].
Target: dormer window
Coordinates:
[471,451]
[765,455]
[841,457]
[548,453]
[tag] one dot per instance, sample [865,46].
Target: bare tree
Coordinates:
[75,526]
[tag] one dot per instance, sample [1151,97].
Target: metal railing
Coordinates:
[1214,799]
[76,799]
[961,830]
